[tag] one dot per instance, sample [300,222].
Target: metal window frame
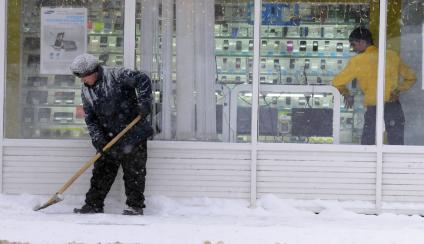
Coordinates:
[3,23]
[129,33]
[380,101]
[255,100]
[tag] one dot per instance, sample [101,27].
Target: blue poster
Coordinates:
[278,14]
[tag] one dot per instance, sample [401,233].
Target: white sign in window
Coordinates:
[63,37]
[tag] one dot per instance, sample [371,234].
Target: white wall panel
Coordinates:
[202,169]
[317,174]
[403,177]
[193,170]
[43,170]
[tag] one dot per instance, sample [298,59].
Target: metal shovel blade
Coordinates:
[53,200]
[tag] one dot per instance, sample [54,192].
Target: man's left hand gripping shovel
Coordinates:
[57,197]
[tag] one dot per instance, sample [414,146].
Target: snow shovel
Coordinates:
[57,197]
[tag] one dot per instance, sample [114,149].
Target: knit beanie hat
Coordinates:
[84,64]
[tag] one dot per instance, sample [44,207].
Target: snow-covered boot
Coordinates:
[132,211]
[88,209]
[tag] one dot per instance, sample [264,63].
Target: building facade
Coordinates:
[243,97]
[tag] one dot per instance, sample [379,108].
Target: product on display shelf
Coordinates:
[44,115]
[63,117]
[119,60]
[32,43]
[118,23]
[238,45]
[37,97]
[322,64]
[315,46]
[64,97]
[37,81]
[290,46]
[28,115]
[103,42]
[64,80]
[302,46]
[118,41]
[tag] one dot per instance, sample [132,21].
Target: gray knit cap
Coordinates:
[84,65]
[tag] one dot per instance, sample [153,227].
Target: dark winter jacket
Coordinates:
[118,96]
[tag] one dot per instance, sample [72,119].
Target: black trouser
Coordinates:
[104,173]
[394,120]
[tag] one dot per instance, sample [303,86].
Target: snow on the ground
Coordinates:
[202,221]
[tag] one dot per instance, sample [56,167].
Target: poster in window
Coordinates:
[63,37]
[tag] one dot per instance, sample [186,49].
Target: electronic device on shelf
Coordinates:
[32,43]
[64,80]
[309,122]
[28,115]
[63,117]
[103,42]
[268,121]
[37,81]
[44,115]
[37,97]
[64,97]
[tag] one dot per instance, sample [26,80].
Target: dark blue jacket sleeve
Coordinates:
[98,137]
[143,86]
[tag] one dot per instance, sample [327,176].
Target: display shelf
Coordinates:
[50,105]
[105,34]
[100,52]
[280,38]
[276,55]
[54,87]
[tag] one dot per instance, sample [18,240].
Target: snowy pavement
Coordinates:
[203,221]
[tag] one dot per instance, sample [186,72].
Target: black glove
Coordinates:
[99,145]
[111,154]
[144,111]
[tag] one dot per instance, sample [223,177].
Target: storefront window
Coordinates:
[304,49]
[403,117]
[42,97]
[198,55]
[234,64]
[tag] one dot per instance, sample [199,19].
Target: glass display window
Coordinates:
[403,94]
[43,98]
[201,60]
[198,55]
[297,92]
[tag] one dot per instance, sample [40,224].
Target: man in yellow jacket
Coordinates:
[363,68]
